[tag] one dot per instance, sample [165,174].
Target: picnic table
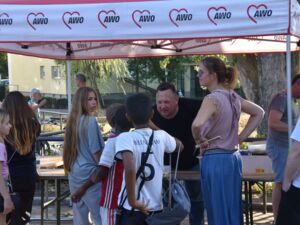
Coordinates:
[51,162]
[49,170]
[249,179]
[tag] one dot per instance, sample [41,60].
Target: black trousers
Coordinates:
[289,208]
[25,186]
[133,218]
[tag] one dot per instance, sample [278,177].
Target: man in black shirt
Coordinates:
[175,115]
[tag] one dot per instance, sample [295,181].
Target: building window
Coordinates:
[55,71]
[42,72]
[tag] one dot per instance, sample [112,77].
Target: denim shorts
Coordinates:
[278,154]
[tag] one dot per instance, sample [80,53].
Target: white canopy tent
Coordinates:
[95,29]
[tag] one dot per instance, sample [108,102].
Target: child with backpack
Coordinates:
[142,152]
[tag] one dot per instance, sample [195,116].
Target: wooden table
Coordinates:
[249,179]
[51,162]
[48,171]
[58,175]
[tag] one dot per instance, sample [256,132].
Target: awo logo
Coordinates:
[216,15]
[5,20]
[180,15]
[140,17]
[203,41]
[280,37]
[84,45]
[36,19]
[106,17]
[256,12]
[71,18]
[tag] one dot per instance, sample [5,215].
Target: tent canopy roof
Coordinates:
[90,29]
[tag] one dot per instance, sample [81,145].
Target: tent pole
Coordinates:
[69,84]
[289,86]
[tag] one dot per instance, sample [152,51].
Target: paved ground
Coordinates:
[259,217]
[66,211]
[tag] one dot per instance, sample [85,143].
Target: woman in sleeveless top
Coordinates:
[20,146]
[217,119]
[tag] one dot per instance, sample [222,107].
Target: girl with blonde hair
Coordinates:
[82,148]
[8,205]
[20,146]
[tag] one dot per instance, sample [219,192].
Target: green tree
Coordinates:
[157,68]
[262,75]
[99,71]
[3,65]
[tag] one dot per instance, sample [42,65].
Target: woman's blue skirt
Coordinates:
[221,174]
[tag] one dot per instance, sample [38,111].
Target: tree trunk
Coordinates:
[248,75]
[261,76]
[272,78]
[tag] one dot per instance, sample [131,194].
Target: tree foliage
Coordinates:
[158,68]
[261,76]
[3,65]
[99,71]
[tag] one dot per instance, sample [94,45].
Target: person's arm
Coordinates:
[274,121]
[97,156]
[206,111]
[256,115]
[292,166]
[77,195]
[34,107]
[8,204]
[130,181]
[179,145]
[153,126]
[42,103]
[98,175]
[95,139]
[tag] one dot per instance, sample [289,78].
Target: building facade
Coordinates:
[27,72]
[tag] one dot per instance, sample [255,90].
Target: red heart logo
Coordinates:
[106,12]
[178,11]
[256,7]
[70,14]
[4,14]
[215,9]
[140,12]
[33,14]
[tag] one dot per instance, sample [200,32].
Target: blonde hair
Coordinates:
[3,115]
[71,140]
[25,127]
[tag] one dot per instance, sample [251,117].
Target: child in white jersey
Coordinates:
[8,205]
[110,170]
[131,147]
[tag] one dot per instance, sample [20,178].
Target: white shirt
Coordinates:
[296,136]
[108,154]
[137,142]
